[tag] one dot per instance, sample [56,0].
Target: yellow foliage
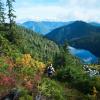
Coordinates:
[38,64]
[26,59]
[94,91]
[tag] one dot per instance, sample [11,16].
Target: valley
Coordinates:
[48,58]
[72,34]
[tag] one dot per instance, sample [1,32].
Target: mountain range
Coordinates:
[43,27]
[79,34]
[95,24]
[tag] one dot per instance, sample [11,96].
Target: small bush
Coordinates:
[51,89]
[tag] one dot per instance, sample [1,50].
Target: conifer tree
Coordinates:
[65,46]
[2,13]
[10,14]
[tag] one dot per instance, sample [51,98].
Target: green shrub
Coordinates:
[51,89]
[25,95]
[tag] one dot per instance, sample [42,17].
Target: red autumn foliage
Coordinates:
[6,81]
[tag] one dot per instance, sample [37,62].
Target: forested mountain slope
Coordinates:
[80,34]
[27,41]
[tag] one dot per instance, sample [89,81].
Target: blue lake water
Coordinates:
[84,55]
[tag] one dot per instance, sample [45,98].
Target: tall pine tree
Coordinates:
[11,15]
[2,13]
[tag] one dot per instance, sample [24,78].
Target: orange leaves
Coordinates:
[21,69]
[24,60]
[27,60]
[29,85]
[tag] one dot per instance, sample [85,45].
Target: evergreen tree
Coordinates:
[11,15]
[2,13]
[65,46]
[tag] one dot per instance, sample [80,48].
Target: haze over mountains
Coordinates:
[95,24]
[43,27]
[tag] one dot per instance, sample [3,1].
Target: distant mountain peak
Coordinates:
[79,23]
[43,27]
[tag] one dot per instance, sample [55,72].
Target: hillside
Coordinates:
[27,41]
[24,57]
[35,68]
[75,32]
[43,27]
[85,42]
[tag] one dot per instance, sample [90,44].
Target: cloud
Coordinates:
[39,13]
[63,10]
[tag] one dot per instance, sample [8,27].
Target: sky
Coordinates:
[57,10]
